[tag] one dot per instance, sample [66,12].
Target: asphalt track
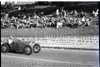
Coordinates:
[52,58]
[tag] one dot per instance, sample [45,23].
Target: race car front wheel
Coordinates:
[27,50]
[36,48]
[4,48]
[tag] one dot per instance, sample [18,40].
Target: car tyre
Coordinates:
[28,50]
[4,48]
[36,48]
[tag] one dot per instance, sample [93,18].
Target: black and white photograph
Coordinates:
[49,33]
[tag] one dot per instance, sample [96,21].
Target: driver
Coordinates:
[10,41]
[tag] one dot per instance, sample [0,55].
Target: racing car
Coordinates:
[26,47]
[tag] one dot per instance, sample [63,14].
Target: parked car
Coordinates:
[26,47]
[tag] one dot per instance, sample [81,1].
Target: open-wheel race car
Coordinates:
[26,47]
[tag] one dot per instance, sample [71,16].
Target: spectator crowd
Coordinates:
[60,19]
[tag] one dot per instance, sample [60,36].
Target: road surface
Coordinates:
[52,58]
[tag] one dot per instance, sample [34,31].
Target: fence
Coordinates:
[89,42]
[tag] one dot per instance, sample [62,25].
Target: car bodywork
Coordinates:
[19,46]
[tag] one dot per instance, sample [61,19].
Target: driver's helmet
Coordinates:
[11,37]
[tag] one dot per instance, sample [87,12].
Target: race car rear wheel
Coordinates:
[4,48]
[28,50]
[36,48]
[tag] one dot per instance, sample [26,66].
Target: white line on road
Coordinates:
[31,58]
[71,63]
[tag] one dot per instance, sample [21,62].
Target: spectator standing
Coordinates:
[57,12]
[19,8]
[65,14]
[83,20]
[95,14]
[6,16]
[75,13]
